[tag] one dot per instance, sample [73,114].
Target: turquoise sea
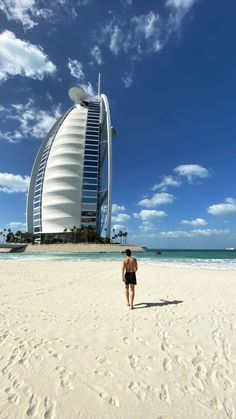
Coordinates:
[208,259]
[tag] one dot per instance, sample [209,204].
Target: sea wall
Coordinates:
[81,248]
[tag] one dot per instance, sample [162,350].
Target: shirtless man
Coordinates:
[129,269]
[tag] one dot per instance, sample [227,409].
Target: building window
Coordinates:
[91,152]
[91,147]
[91,169]
[89,200]
[90,188]
[91,157]
[94,175]
[88,220]
[90,181]
[90,193]
[89,140]
[90,163]
[89,213]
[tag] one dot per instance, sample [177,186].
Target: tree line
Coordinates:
[84,234]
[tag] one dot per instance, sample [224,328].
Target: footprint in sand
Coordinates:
[13,397]
[229,409]
[110,348]
[133,361]
[25,359]
[103,360]
[144,342]
[104,373]
[50,405]
[214,404]
[103,394]
[167,365]
[34,403]
[15,381]
[189,332]
[65,375]
[138,388]
[111,400]
[164,394]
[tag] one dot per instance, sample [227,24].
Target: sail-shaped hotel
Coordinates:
[71,180]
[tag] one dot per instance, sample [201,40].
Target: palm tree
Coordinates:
[10,236]
[125,236]
[18,236]
[74,230]
[64,235]
[120,235]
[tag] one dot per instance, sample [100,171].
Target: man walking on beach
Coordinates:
[129,269]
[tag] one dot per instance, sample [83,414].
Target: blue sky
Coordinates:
[168,68]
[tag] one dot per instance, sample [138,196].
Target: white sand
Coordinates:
[71,349]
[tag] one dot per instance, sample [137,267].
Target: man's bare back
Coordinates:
[130,264]
[129,269]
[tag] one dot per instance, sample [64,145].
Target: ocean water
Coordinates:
[208,259]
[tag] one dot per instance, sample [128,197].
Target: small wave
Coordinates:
[192,263]
[117,257]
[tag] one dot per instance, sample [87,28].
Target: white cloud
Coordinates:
[192,171]
[23,11]
[175,234]
[149,214]
[226,208]
[17,225]
[29,12]
[157,199]
[117,208]
[146,226]
[10,183]
[21,58]
[180,4]
[149,27]
[140,35]
[33,122]
[120,218]
[88,88]
[196,222]
[193,233]
[115,39]
[118,227]
[178,10]
[97,54]
[13,137]
[209,232]
[167,181]
[76,70]
[127,80]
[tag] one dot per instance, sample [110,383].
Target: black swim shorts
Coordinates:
[130,278]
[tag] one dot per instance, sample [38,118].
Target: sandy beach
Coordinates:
[71,349]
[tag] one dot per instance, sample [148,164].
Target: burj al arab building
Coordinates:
[71,180]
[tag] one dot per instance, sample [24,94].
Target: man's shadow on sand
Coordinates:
[163,303]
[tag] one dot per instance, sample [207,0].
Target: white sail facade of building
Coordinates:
[71,180]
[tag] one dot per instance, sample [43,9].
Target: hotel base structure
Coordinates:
[71,180]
